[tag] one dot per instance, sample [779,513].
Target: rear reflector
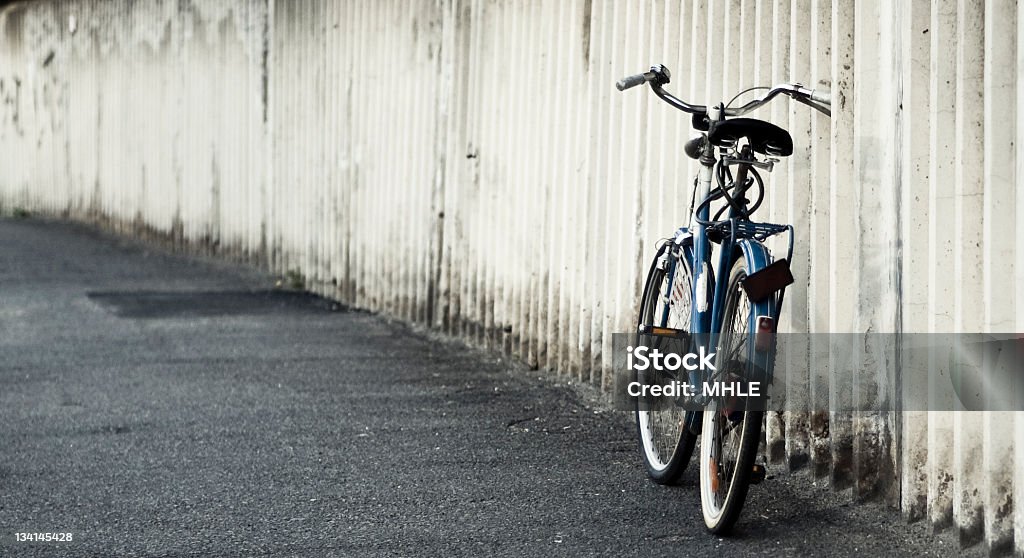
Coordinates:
[763,337]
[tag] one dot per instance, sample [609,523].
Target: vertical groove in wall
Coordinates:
[1017,442]
[842,231]
[818,294]
[797,208]
[942,115]
[970,99]
[999,221]
[914,153]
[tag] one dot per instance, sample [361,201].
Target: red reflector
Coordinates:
[765,331]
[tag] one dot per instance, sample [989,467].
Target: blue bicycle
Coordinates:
[733,313]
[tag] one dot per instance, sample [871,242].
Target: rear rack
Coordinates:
[743,229]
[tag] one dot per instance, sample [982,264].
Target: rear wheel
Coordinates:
[732,425]
[666,442]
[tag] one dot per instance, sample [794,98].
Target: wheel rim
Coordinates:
[661,423]
[660,435]
[720,445]
[722,434]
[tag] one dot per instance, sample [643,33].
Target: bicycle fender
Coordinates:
[683,236]
[757,257]
[683,246]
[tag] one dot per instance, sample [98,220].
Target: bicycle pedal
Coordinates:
[758,475]
[664,332]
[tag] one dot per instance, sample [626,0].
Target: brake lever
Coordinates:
[820,107]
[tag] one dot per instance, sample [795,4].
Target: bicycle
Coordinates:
[735,311]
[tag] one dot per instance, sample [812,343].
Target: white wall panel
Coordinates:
[468,165]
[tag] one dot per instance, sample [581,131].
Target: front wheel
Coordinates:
[666,442]
[732,424]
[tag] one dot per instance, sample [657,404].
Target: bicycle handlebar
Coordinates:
[659,75]
[818,100]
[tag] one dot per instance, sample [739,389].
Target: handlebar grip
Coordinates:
[631,81]
[824,97]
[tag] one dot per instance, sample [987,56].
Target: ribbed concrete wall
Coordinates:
[468,165]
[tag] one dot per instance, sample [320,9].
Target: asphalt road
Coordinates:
[157,405]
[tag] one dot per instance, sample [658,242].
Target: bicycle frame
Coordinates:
[709,286]
[707,310]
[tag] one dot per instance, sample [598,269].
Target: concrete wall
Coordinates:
[468,165]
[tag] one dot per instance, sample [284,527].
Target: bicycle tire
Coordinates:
[723,422]
[665,441]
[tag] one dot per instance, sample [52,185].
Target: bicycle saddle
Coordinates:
[764,137]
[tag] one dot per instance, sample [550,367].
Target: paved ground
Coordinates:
[156,405]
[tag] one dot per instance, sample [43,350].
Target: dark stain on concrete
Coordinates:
[588,7]
[208,303]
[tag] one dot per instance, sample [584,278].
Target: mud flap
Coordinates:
[772,278]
